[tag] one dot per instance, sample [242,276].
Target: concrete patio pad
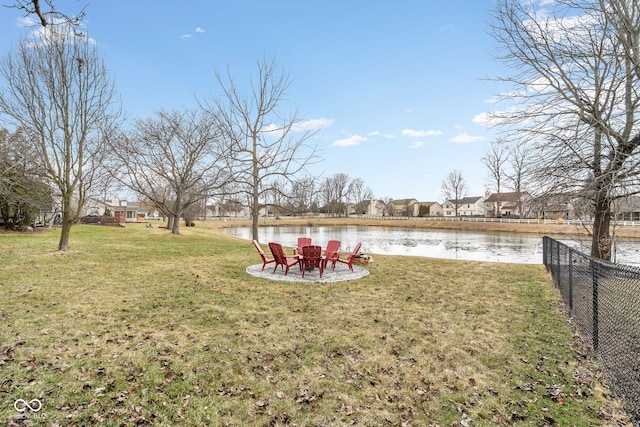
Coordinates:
[340,274]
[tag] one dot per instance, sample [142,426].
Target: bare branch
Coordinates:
[49,16]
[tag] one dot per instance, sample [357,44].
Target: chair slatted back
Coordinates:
[333,246]
[312,256]
[302,242]
[278,253]
[259,249]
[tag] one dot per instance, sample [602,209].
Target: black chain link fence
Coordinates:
[604,300]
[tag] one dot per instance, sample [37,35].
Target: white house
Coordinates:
[467,206]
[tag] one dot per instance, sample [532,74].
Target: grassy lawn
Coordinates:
[136,326]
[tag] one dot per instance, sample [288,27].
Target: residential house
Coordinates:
[467,206]
[627,209]
[403,207]
[508,204]
[430,209]
[127,211]
[375,208]
[554,206]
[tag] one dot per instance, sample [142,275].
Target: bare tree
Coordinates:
[518,172]
[358,193]
[576,80]
[454,189]
[173,159]
[334,191]
[24,193]
[495,159]
[58,91]
[47,13]
[304,194]
[264,142]
[278,193]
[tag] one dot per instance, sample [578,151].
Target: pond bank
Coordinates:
[540,229]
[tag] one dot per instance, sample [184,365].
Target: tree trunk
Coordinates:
[63,244]
[175,229]
[601,242]
[255,195]
[254,221]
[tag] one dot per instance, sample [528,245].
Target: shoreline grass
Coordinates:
[136,326]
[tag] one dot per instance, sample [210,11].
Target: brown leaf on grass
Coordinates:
[347,409]
[6,385]
[281,419]
[515,416]
[525,387]
[306,396]
[6,355]
[230,391]
[555,393]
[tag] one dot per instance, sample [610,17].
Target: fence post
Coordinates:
[571,280]
[594,275]
[557,272]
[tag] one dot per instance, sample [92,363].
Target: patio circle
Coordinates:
[340,274]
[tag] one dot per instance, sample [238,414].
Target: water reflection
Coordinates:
[448,244]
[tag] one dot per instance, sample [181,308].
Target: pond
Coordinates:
[448,244]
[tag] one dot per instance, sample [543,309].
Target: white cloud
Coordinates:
[271,127]
[190,36]
[378,133]
[465,138]
[420,133]
[312,124]
[417,144]
[482,119]
[26,21]
[352,140]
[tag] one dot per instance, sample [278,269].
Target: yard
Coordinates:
[137,326]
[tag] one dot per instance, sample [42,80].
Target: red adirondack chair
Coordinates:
[352,255]
[265,260]
[312,258]
[280,257]
[331,253]
[302,242]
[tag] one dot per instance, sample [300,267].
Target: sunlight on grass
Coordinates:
[135,325]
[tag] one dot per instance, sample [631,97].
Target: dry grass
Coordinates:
[136,326]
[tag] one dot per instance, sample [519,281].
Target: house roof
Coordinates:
[403,201]
[505,197]
[628,204]
[466,200]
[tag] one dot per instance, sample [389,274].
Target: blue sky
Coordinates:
[397,85]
